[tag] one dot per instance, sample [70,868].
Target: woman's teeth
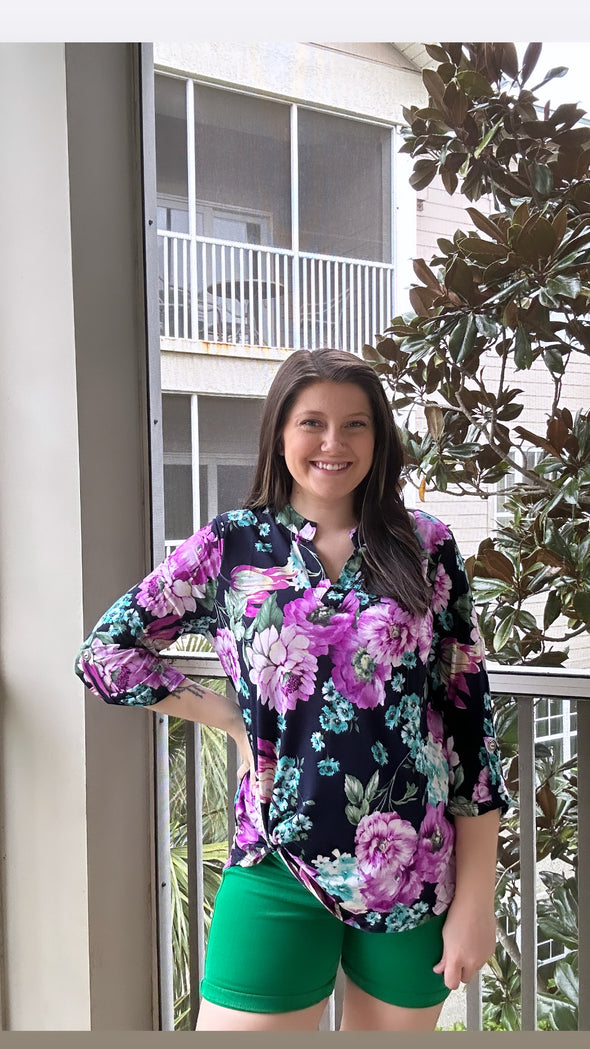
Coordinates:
[335,467]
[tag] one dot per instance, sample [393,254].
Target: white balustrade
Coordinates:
[246,295]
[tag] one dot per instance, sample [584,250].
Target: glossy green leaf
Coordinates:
[554,73]
[531,57]
[474,84]
[554,360]
[552,609]
[423,174]
[542,179]
[463,338]
[582,605]
[569,287]
[503,633]
[567,981]
[523,353]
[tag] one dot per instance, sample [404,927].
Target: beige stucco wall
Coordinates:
[371,80]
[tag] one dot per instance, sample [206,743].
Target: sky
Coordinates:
[575,85]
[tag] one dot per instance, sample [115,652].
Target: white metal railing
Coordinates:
[170,545]
[524,686]
[223,291]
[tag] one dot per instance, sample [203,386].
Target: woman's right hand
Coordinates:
[246,756]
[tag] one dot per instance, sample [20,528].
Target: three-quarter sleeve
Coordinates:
[460,691]
[120,659]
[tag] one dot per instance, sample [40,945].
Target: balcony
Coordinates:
[225,292]
[519,691]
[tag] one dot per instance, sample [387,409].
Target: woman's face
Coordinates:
[328,442]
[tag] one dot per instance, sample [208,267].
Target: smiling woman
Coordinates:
[367,811]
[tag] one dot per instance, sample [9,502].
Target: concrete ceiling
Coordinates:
[416,54]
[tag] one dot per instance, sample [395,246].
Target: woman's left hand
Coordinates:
[469,939]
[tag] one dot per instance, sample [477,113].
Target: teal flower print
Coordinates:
[329,690]
[403,917]
[379,753]
[317,741]
[328,767]
[294,829]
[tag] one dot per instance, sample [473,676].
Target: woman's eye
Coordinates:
[310,422]
[358,424]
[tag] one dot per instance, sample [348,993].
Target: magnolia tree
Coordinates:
[510,295]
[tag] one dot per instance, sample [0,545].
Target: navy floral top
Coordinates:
[371,727]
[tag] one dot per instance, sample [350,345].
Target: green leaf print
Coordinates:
[463,607]
[355,813]
[411,791]
[353,789]
[235,604]
[269,614]
[372,787]
[208,600]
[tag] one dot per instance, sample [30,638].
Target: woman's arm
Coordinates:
[193,702]
[469,932]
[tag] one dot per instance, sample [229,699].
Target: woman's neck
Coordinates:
[329,517]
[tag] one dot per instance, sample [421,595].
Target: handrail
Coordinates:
[569,682]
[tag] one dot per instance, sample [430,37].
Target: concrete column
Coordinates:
[76,779]
[43,801]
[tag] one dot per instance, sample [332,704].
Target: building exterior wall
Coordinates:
[368,80]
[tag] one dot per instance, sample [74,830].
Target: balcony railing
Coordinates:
[222,291]
[524,686]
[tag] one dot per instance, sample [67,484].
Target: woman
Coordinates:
[370,792]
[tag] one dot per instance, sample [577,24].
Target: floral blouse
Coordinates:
[371,728]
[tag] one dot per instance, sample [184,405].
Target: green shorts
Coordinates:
[274,948]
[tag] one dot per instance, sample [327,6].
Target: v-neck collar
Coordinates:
[304,528]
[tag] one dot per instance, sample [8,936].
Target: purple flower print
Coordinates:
[227,650]
[431,532]
[160,632]
[384,840]
[387,631]
[384,845]
[283,667]
[257,583]
[324,626]
[266,768]
[198,559]
[168,590]
[445,889]
[249,825]
[441,590]
[457,660]
[423,631]
[435,844]
[481,791]
[113,670]
[357,675]
[409,887]
[435,724]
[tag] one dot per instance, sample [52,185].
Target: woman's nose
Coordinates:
[332,437]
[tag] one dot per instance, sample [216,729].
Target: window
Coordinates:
[243,162]
[227,443]
[344,187]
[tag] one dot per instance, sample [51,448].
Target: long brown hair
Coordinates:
[393,560]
